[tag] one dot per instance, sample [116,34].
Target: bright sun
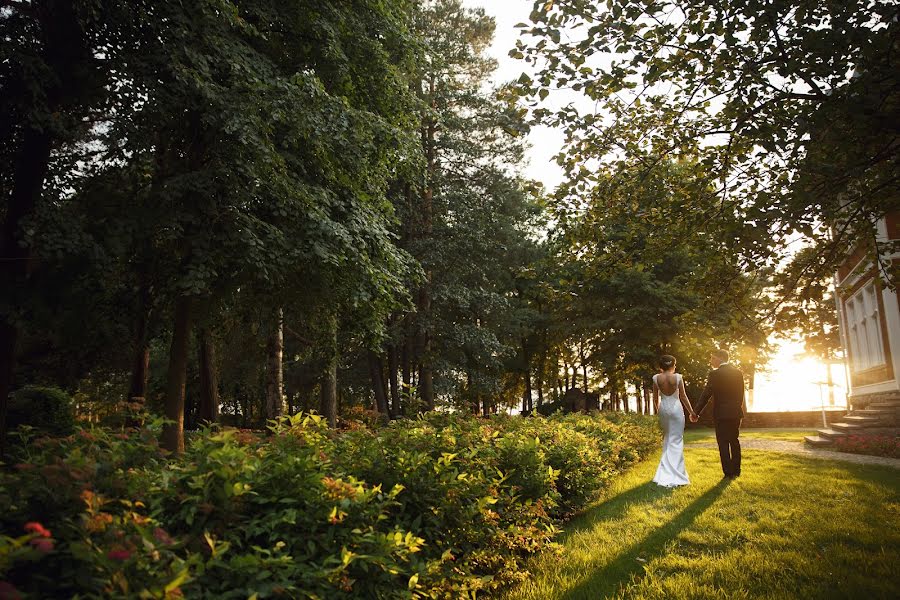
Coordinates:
[793,381]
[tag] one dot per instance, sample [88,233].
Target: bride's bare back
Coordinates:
[667,383]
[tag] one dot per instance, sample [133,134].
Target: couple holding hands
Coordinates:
[725,387]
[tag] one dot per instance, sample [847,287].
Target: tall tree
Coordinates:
[52,79]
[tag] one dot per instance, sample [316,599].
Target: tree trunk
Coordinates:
[540,380]
[8,337]
[583,367]
[275,368]
[28,183]
[393,367]
[140,365]
[328,387]
[426,214]
[566,375]
[68,86]
[208,410]
[140,373]
[426,386]
[376,374]
[406,360]
[173,433]
[526,399]
[426,382]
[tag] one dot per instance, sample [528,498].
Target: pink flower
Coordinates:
[119,554]
[9,592]
[162,537]
[35,527]
[42,544]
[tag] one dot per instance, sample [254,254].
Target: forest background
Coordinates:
[230,211]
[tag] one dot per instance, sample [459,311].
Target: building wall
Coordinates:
[871,342]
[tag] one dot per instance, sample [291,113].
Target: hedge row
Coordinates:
[439,507]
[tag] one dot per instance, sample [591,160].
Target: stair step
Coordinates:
[892,404]
[875,412]
[814,440]
[830,433]
[847,427]
[864,421]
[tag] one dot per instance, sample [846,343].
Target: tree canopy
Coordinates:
[222,211]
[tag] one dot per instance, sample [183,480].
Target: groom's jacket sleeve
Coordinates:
[706,395]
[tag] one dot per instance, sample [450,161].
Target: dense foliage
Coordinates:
[436,507]
[49,410]
[791,107]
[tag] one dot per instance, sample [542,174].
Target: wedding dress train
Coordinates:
[671,471]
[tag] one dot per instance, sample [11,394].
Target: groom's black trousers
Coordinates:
[729,447]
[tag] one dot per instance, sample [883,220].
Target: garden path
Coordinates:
[802,449]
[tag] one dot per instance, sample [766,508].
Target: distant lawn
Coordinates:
[789,527]
[708,434]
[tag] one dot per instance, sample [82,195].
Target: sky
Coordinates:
[545,142]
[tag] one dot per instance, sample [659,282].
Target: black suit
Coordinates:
[726,388]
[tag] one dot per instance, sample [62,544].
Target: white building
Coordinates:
[869,319]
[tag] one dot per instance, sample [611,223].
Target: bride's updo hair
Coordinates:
[666,362]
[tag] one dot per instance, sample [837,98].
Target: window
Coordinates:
[864,329]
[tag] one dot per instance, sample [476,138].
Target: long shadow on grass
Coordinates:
[605,582]
[614,507]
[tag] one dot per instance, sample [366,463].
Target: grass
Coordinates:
[707,434]
[789,527]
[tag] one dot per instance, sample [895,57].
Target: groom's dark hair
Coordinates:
[666,362]
[721,354]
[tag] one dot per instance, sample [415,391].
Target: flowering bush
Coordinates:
[875,445]
[436,507]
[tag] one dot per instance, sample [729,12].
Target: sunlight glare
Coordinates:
[794,381]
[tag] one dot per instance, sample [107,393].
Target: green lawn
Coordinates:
[789,527]
[707,434]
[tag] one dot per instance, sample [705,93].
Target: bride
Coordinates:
[670,385]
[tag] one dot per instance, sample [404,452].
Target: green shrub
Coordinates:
[438,507]
[47,409]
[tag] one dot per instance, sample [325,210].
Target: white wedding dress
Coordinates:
[671,471]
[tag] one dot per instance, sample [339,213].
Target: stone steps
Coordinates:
[847,427]
[865,421]
[818,441]
[886,404]
[877,417]
[875,412]
[830,433]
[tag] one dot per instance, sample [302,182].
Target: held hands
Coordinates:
[694,417]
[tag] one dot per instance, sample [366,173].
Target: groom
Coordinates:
[726,387]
